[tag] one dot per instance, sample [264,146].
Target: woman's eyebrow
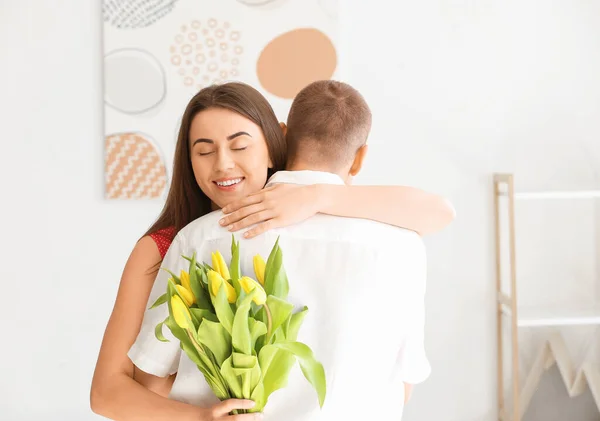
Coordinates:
[233,136]
[202,140]
[230,137]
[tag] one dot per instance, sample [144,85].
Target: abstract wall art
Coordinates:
[159,53]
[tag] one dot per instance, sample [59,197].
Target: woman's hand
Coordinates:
[221,411]
[277,206]
[285,204]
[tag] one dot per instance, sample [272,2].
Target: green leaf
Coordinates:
[192,266]
[241,340]
[280,311]
[203,301]
[257,329]
[218,386]
[240,297]
[160,300]
[223,390]
[234,267]
[178,332]
[281,286]
[195,281]
[189,259]
[170,292]
[204,277]
[232,380]
[186,345]
[258,396]
[158,331]
[247,368]
[261,316]
[197,354]
[191,352]
[268,269]
[223,309]
[275,365]
[295,321]
[175,277]
[254,309]
[200,267]
[312,369]
[201,314]
[214,336]
[276,281]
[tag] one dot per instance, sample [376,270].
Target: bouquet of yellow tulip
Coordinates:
[241,333]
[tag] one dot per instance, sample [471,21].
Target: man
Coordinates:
[363,282]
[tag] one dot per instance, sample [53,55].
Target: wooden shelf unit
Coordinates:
[507,307]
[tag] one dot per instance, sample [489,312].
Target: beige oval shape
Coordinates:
[134,168]
[294,59]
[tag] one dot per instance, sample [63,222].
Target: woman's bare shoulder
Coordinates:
[144,256]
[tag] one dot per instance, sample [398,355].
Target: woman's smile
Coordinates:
[229,184]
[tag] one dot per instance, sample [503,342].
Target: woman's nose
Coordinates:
[224,162]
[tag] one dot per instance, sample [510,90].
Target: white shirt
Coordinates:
[364,285]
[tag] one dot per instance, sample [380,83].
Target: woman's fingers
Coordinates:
[240,214]
[255,416]
[246,201]
[260,228]
[222,409]
[252,219]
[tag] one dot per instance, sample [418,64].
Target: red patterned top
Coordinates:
[163,239]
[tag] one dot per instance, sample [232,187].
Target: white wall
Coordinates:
[459,89]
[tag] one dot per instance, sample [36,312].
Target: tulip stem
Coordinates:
[269,323]
[212,369]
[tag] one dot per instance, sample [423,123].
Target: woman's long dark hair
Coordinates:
[185,201]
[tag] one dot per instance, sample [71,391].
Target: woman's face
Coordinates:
[229,155]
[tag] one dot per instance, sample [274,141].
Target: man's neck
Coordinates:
[301,166]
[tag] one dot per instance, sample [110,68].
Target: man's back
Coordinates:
[363,283]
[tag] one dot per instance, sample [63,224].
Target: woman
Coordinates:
[225,129]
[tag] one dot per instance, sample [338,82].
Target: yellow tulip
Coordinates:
[215,281]
[259,269]
[186,285]
[249,284]
[180,311]
[187,295]
[220,266]
[185,280]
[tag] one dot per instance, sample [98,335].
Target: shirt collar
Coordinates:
[305,177]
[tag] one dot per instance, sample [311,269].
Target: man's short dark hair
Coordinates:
[328,122]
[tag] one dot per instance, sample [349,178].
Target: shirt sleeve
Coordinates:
[412,363]
[148,353]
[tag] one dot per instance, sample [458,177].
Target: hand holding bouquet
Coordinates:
[241,333]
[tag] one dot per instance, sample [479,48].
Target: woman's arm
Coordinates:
[119,390]
[401,206]
[286,204]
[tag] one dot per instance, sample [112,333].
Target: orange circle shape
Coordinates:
[294,59]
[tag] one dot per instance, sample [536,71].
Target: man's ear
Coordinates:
[283,128]
[358,160]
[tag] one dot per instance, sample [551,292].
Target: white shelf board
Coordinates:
[581,194]
[556,315]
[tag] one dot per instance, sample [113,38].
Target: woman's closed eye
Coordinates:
[239,145]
